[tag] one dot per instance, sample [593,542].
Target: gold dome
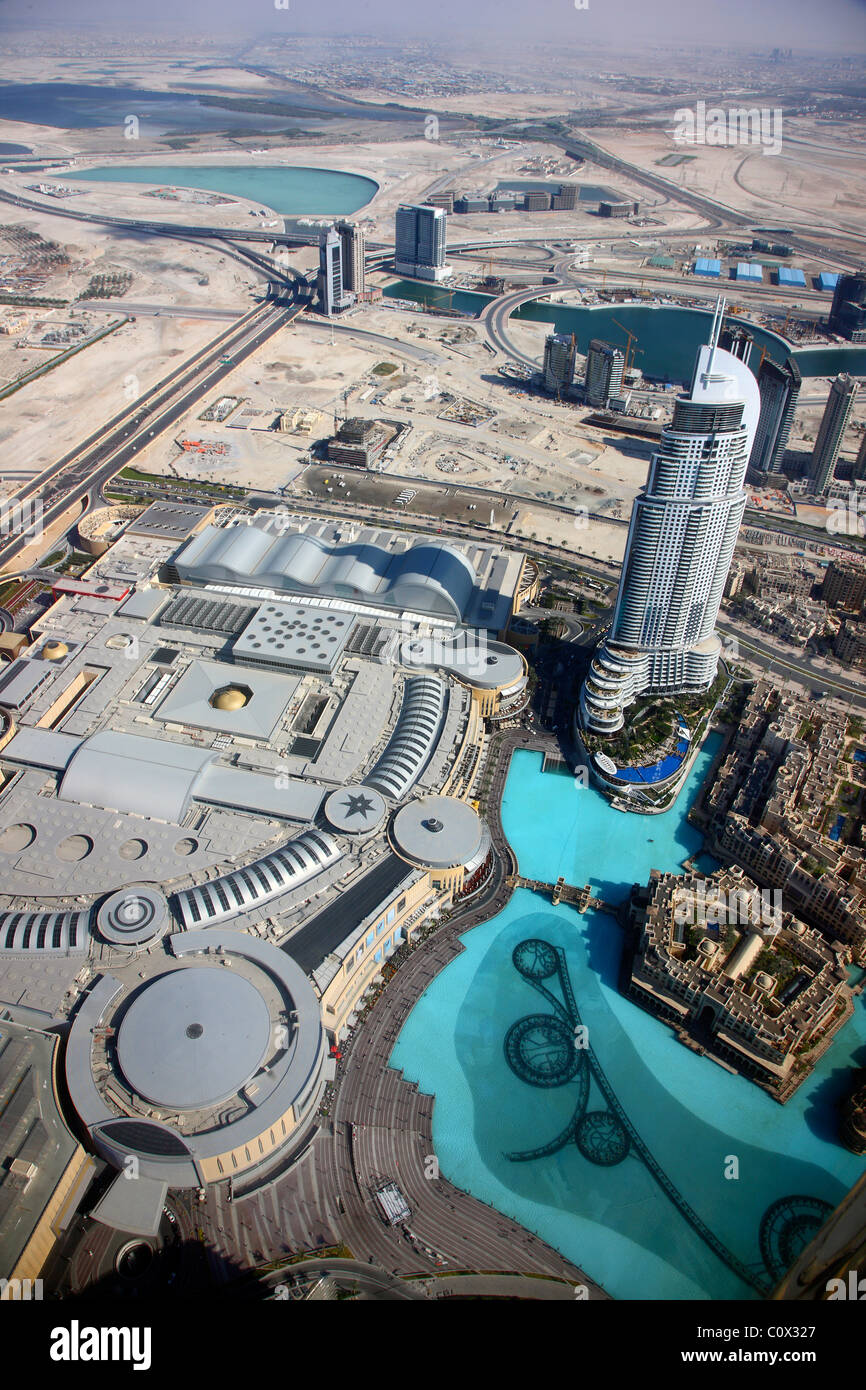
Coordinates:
[231,698]
[53,651]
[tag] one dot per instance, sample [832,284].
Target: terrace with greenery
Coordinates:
[651,730]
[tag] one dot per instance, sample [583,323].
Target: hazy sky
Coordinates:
[787,23]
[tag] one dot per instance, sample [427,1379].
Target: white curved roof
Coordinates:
[66,932]
[483,664]
[429,577]
[297,862]
[410,746]
[125,772]
[721,377]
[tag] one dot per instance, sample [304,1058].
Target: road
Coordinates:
[120,443]
[171,229]
[179,311]
[393,345]
[761,651]
[721,214]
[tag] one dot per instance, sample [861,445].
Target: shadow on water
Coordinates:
[822,1113]
[604,943]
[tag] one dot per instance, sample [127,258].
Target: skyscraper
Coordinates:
[779,388]
[839,402]
[420,242]
[680,544]
[332,294]
[604,368]
[352,245]
[738,340]
[859,474]
[559,353]
[848,314]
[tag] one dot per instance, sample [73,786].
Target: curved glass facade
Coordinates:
[680,545]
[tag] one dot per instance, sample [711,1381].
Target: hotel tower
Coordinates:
[684,525]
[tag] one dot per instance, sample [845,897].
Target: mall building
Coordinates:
[237,772]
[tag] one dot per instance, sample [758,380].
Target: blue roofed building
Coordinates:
[791,277]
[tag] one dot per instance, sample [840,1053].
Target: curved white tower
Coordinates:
[680,545]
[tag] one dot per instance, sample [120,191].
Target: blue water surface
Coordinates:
[692,1117]
[667,337]
[288,190]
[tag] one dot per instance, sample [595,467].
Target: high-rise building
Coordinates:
[420,242]
[843,390]
[848,314]
[779,387]
[681,539]
[738,340]
[604,368]
[566,197]
[859,474]
[333,297]
[845,585]
[352,258]
[559,353]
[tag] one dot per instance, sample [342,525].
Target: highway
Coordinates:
[107,451]
[178,311]
[172,229]
[392,345]
[720,214]
[119,444]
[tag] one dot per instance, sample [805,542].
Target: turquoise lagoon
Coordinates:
[668,337]
[289,190]
[632,1185]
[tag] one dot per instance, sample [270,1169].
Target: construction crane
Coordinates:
[450,294]
[632,338]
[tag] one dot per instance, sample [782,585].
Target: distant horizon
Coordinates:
[843,49]
[838,26]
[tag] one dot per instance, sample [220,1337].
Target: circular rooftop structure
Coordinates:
[133,916]
[231,697]
[193,1038]
[54,650]
[439,832]
[355,810]
[204,1071]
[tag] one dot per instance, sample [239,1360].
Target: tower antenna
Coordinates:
[718,320]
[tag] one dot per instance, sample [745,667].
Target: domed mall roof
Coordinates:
[230,698]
